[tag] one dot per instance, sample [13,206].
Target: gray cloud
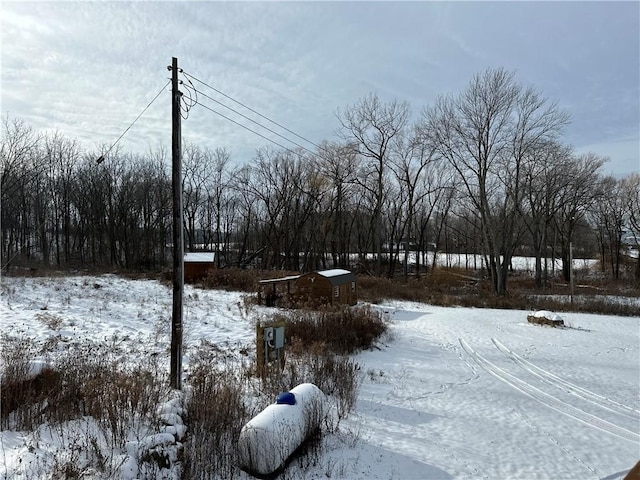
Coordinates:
[87,69]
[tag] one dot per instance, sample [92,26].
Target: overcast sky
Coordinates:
[88,69]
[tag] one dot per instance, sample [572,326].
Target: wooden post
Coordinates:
[261,368]
[175,375]
[571,281]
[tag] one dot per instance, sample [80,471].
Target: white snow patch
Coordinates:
[547,314]
[530,403]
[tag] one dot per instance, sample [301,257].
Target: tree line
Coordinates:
[483,172]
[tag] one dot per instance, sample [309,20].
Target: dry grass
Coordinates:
[83,385]
[217,409]
[457,287]
[225,392]
[232,279]
[342,331]
[238,279]
[441,282]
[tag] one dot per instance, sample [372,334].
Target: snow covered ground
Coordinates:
[450,393]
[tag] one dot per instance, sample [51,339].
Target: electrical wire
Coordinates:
[101,159]
[190,100]
[253,121]
[252,110]
[250,130]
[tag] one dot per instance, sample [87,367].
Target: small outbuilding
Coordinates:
[336,286]
[197,265]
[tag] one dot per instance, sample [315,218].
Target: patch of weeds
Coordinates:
[343,331]
[51,320]
[216,412]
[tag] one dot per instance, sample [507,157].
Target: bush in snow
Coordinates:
[216,409]
[342,331]
[84,408]
[16,392]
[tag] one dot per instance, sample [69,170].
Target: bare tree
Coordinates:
[631,189]
[338,164]
[394,211]
[60,206]
[20,167]
[370,126]
[18,162]
[435,195]
[250,243]
[218,212]
[152,201]
[89,197]
[287,187]
[485,134]
[197,177]
[610,215]
[61,157]
[545,178]
[413,157]
[575,201]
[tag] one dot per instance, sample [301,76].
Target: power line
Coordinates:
[253,121]
[252,110]
[190,101]
[252,131]
[101,159]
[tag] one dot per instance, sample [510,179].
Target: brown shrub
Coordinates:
[232,279]
[117,397]
[426,288]
[80,383]
[216,411]
[458,287]
[343,331]
[25,398]
[239,279]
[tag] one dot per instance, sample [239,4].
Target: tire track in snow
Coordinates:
[552,379]
[542,431]
[592,472]
[549,400]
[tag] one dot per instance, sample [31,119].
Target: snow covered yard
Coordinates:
[472,393]
[451,393]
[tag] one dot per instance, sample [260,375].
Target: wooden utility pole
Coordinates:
[175,375]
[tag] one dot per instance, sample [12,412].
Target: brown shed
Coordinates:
[197,265]
[328,286]
[335,286]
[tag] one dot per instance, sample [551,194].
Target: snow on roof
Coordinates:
[199,257]
[281,279]
[336,272]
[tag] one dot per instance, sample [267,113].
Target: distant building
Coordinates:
[337,287]
[197,265]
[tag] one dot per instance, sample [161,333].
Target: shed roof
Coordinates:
[336,272]
[337,276]
[279,280]
[199,257]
